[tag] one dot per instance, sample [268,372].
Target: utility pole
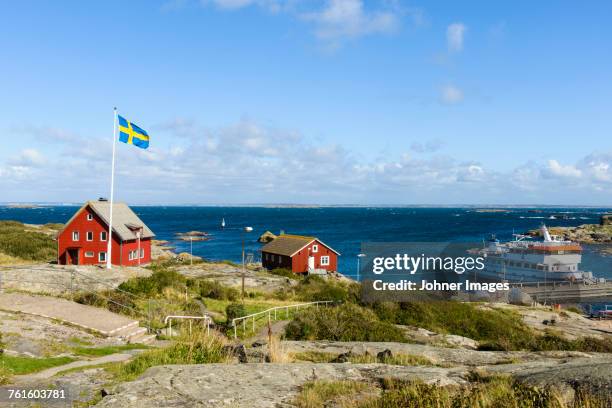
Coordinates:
[244,231]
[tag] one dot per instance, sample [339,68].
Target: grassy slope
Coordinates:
[26,365]
[19,243]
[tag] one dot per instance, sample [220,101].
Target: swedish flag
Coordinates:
[131,134]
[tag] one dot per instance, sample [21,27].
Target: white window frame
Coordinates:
[103,236]
[315,248]
[141,253]
[87,236]
[89,217]
[325,260]
[75,236]
[101,255]
[89,254]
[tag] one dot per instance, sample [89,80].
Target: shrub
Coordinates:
[153,285]
[287,273]
[113,300]
[314,288]
[214,290]
[348,322]
[17,241]
[234,310]
[495,329]
[197,348]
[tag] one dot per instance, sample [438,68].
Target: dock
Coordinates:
[567,292]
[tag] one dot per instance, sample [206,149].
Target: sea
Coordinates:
[343,228]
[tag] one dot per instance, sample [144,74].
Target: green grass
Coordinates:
[19,242]
[482,392]
[396,359]
[195,349]
[106,350]
[347,322]
[27,365]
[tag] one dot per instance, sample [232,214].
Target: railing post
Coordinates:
[253,324]
[170,328]
[274,314]
[235,331]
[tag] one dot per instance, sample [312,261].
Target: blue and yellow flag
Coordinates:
[131,134]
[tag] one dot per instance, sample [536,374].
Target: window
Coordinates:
[101,256]
[315,248]
[141,253]
[103,236]
[89,254]
[75,235]
[324,260]
[132,255]
[90,235]
[89,217]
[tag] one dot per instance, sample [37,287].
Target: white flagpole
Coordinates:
[109,247]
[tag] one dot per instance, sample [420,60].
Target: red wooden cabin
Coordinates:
[299,254]
[83,241]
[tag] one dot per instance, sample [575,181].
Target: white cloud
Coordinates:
[349,18]
[246,162]
[556,169]
[451,95]
[455,34]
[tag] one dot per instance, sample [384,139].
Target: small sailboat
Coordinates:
[222,223]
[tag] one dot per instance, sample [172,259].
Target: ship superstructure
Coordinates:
[526,260]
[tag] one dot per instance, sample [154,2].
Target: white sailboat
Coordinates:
[222,223]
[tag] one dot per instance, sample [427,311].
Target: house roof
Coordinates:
[125,222]
[289,245]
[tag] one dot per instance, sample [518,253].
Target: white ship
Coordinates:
[526,260]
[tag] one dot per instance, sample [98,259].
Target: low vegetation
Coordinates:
[482,392]
[395,359]
[197,348]
[287,273]
[17,365]
[106,350]
[17,241]
[347,322]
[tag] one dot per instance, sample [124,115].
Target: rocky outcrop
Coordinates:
[254,385]
[586,233]
[266,237]
[193,236]
[605,219]
[263,385]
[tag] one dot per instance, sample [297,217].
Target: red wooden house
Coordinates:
[83,241]
[299,254]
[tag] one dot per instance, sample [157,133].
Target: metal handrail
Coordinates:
[269,312]
[168,320]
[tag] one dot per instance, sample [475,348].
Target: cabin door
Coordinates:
[73,256]
[311,263]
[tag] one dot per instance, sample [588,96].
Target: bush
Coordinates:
[234,310]
[347,322]
[197,348]
[154,285]
[17,241]
[287,273]
[214,290]
[495,329]
[112,300]
[314,288]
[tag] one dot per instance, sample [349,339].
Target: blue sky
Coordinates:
[308,101]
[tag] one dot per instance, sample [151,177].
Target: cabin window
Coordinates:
[101,256]
[315,248]
[89,254]
[141,253]
[89,217]
[75,235]
[90,235]
[324,260]
[103,236]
